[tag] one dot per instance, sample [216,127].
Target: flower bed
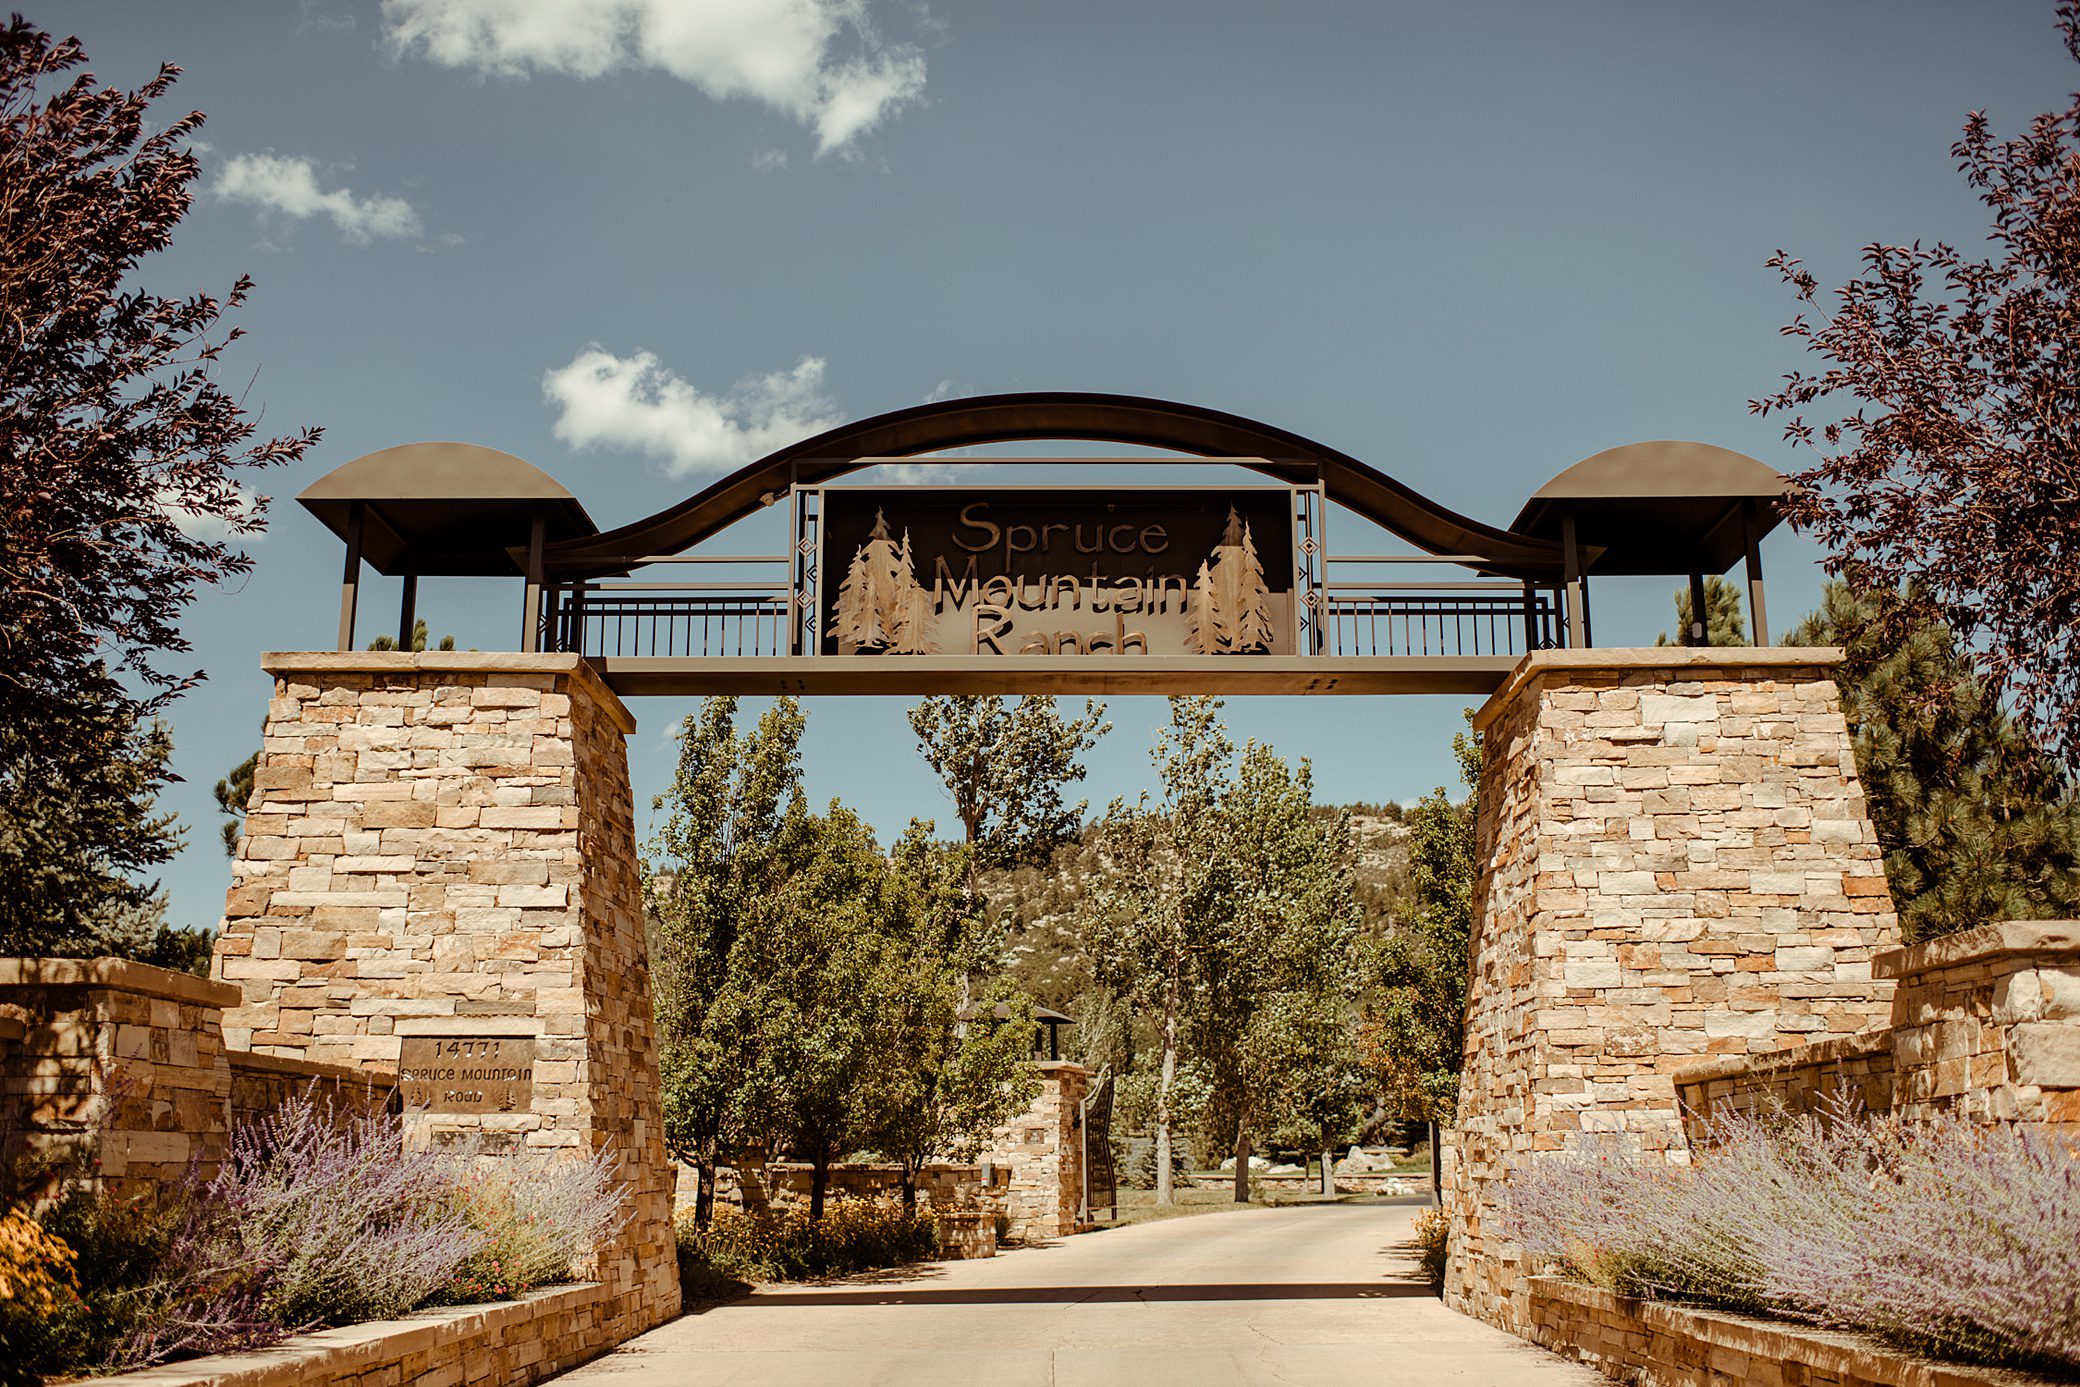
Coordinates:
[1654,1344]
[853,1235]
[308,1222]
[520,1341]
[1938,1236]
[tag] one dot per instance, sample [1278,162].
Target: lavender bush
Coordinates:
[1941,1235]
[348,1224]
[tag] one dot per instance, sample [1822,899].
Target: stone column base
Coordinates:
[1676,864]
[440,851]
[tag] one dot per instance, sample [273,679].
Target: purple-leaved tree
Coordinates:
[1954,477]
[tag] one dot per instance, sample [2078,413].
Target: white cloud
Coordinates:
[769,160]
[818,61]
[288,187]
[609,401]
[209,525]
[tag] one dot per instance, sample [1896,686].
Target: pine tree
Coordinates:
[1722,615]
[1975,822]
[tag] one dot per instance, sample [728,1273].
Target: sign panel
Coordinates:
[1057,571]
[466,1074]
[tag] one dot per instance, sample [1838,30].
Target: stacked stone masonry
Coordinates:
[1043,1150]
[443,845]
[121,1068]
[1985,1023]
[1677,865]
[510,1344]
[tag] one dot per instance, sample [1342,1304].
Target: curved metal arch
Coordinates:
[1125,419]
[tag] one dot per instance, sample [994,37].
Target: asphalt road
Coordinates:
[1314,1295]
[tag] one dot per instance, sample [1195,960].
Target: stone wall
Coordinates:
[440,848]
[262,1083]
[1986,1022]
[1043,1150]
[1677,865]
[509,1344]
[1802,1079]
[785,1185]
[119,1063]
[124,1065]
[1655,1344]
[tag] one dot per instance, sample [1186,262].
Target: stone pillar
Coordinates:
[441,848]
[1043,1149]
[1676,864]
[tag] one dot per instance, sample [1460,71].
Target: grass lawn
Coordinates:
[1139,1206]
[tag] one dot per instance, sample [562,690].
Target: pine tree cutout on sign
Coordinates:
[1229,612]
[881,607]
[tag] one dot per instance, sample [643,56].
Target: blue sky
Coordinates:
[638,242]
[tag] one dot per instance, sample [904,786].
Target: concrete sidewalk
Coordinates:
[1318,1295]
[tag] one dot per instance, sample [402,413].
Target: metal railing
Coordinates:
[1437,619]
[753,619]
[616,621]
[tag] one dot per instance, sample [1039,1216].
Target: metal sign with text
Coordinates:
[1057,571]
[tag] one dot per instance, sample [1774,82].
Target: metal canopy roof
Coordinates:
[445,509]
[1657,508]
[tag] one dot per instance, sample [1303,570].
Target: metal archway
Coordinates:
[1125,419]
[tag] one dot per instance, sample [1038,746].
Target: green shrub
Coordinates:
[855,1235]
[1431,1227]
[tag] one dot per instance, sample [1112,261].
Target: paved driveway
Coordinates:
[1315,1295]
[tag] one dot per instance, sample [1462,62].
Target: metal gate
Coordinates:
[1100,1181]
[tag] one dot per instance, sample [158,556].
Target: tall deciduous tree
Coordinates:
[120,457]
[1160,885]
[1278,948]
[808,954]
[1955,473]
[1006,764]
[1975,825]
[938,1087]
[1417,1026]
[717,860]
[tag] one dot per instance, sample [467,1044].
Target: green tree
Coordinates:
[1416,1030]
[1278,949]
[1159,887]
[77,826]
[1976,824]
[1005,765]
[938,1087]
[233,793]
[807,955]
[1724,624]
[717,859]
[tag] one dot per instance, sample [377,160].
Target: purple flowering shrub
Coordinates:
[310,1220]
[349,1224]
[1944,1235]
